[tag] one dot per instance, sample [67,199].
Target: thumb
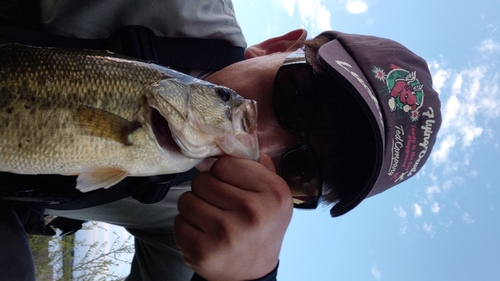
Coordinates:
[267,162]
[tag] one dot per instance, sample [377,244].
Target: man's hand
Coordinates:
[231,225]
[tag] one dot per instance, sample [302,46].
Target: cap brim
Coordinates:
[342,66]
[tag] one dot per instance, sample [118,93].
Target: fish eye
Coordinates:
[223,93]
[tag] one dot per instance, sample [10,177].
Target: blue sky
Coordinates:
[443,224]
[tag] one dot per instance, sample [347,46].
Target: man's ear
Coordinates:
[288,42]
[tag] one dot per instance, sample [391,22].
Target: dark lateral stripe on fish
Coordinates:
[105,124]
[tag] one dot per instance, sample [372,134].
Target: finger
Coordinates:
[197,212]
[267,162]
[216,192]
[190,240]
[184,230]
[243,173]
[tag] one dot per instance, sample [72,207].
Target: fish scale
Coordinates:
[90,113]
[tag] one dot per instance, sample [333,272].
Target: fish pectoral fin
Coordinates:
[93,178]
[102,123]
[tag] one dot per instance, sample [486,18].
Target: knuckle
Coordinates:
[253,212]
[283,197]
[254,219]
[221,231]
[260,208]
[276,193]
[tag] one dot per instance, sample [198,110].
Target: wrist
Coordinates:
[271,276]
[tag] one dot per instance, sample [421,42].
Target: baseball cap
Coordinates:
[394,89]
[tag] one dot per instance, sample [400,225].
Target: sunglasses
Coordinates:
[293,101]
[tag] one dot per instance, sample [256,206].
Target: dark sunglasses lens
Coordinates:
[293,97]
[299,170]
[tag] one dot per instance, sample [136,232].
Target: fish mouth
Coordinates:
[162,132]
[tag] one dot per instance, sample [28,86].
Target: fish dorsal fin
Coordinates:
[102,123]
[92,178]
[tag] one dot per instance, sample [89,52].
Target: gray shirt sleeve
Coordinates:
[92,19]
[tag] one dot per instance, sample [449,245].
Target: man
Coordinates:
[335,123]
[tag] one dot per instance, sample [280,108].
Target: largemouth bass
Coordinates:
[104,117]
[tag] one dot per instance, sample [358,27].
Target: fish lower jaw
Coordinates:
[198,152]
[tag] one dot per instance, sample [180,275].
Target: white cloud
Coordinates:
[417,210]
[463,107]
[490,102]
[448,223]
[439,78]
[440,154]
[403,229]
[471,101]
[313,14]
[435,208]
[471,133]
[356,6]
[457,85]
[468,219]
[377,274]
[288,5]
[400,211]
[451,110]
[428,228]
[489,46]
[431,190]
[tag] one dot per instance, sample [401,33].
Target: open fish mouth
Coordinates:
[201,120]
[162,132]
